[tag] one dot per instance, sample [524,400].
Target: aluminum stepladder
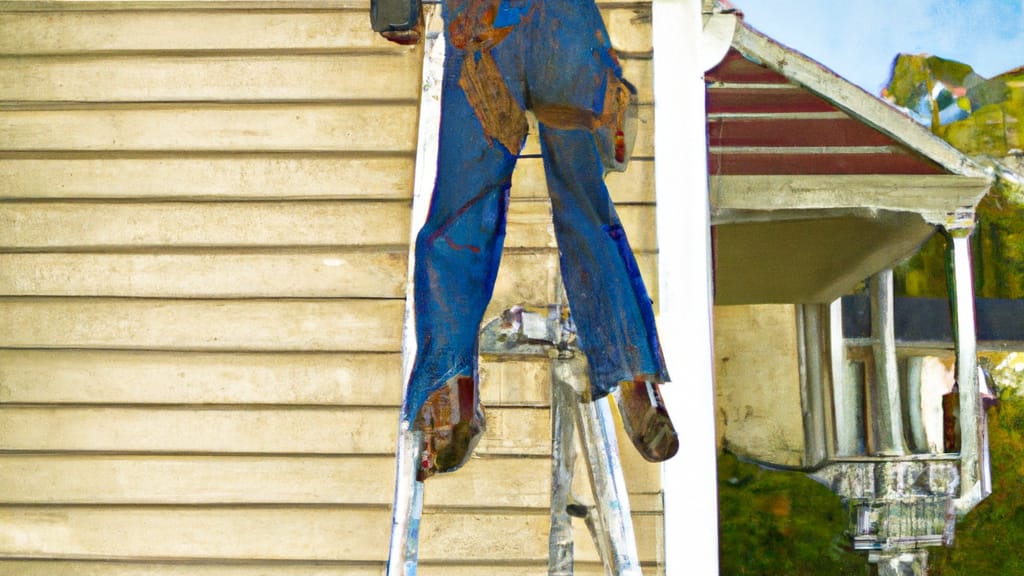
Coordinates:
[522,332]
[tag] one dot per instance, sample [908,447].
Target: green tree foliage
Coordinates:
[980,117]
[990,540]
[780,523]
[997,248]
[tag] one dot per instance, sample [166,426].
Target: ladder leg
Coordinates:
[615,540]
[408,505]
[563,463]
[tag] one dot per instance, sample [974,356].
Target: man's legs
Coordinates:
[457,255]
[610,305]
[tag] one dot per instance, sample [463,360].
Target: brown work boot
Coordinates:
[452,422]
[647,421]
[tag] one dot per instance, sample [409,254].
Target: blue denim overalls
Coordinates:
[554,58]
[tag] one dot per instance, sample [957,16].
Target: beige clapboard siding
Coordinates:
[152,480]
[192,31]
[529,226]
[154,78]
[61,225]
[356,128]
[111,5]
[223,480]
[246,128]
[121,568]
[284,533]
[526,277]
[196,176]
[35,33]
[131,377]
[174,78]
[255,177]
[245,430]
[629,25]
[43,567]
[181,378]
[222,273]
[634,186]
[56,225]
[342,325]
[533,280]
[295,503]
[638,71]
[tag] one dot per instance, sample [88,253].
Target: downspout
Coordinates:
[684,47]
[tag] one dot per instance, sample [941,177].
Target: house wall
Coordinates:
[204,227]
[757,383]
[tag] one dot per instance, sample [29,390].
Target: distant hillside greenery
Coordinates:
[984,119]
[990,539]
[781,523]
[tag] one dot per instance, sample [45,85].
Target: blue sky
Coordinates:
[858,39]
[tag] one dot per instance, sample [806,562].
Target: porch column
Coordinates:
[965,340]
[883,331]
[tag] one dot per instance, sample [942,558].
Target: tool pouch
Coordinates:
[394,15]
[616,132]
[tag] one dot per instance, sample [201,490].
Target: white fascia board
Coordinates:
[939,199]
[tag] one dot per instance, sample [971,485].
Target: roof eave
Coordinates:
[854,100]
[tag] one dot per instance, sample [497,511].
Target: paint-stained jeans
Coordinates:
[554,57]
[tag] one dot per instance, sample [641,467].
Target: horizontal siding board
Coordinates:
[320,30]
[55,226]
[247,224]
[533,279]
[268,176]
[129,377]
[529,278]
[328,379]
[121,568]
[77,32]
[245,430]
[148,78]
[640,73]
[530,226]
[213,128]
[209,568]
[629,27]
[264,325]
[194,480]
[330,534]
[639,223]
[634,186]
[306,273]
[111,5]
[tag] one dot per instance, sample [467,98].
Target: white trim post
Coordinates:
[685,282]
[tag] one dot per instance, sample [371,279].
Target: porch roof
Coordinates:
[816,184]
